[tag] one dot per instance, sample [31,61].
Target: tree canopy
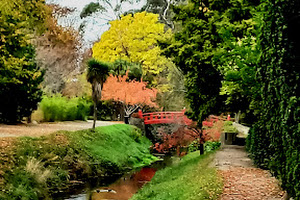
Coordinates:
[134,38]
[192,49]
[131,93]
[19,74]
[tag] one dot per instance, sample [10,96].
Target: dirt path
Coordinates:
[242,180]
[41,129]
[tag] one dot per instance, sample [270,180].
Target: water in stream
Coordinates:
[123,188]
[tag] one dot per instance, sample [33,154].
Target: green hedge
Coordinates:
[58,108]
[274,141]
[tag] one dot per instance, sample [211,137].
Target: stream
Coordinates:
[120,189]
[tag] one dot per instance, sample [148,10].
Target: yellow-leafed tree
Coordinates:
[134,38]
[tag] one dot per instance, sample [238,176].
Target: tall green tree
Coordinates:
[192,49]
[237,53]
[97,73]
[218,38]
[19,74]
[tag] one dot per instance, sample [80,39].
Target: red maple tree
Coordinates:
[178,141]
[133,94]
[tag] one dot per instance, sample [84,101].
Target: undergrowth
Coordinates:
[58,108]
[190,179]
[47,164]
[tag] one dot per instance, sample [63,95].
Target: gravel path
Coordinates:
[35,130]
[242,180]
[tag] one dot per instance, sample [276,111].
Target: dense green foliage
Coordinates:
[121,67]
[191,178]
[19,74]
[216,50]
[237,53]
[274,141]
[229,128]
[58,108]
[40,166]
[248,52]
[192,50]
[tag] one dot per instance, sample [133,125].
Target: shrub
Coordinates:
[58,108]
[211,146]
[229,128]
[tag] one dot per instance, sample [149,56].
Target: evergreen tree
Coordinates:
[19,74]
[216,48]
[192,49]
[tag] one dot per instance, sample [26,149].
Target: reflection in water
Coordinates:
[125,187]
[78,197]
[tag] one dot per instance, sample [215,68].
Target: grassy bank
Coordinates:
[39,166]
[191,178]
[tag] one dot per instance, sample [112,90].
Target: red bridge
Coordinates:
[165,118]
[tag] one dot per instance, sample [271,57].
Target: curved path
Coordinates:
[41,129]
[242,180]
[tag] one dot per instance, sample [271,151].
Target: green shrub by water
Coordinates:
[46,164]
[229,128]
[208,146]
[58,108]
[191,178]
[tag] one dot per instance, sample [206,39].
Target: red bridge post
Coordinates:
[140,113]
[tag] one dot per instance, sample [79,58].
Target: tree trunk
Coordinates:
[95,115]
[126,119]
[201,148]
[201,145]
[96,87]
[29,119]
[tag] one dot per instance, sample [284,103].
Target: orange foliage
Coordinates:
[179,139]
[212,129]
[129,92]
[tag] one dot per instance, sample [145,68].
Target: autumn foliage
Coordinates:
[212,128]
[178,141]
[134,38]
[129,92]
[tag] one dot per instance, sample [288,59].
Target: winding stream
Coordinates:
[122,189]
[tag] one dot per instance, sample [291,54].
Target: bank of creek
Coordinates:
[40,167]
[116,187]
[48,167]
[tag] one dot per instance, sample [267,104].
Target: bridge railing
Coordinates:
[165,117]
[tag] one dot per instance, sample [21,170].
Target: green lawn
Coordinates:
[191,178]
